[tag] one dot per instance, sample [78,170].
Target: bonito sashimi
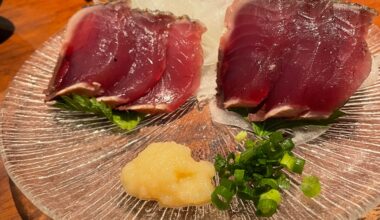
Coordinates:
[148,34]
[87,57]
[114,51]
[293,58]
[138,59]
[182,75]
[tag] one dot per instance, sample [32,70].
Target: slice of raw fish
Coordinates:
[108,44]
[321,79]
[93,39]
[293,58]
[182,75]
[249,50]
[150,40]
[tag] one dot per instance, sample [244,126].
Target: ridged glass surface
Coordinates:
[69,163]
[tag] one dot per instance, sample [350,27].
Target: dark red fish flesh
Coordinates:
[140,60]
[293,59]
[113,51]
[181,78]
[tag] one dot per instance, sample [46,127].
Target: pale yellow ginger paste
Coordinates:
[166,172]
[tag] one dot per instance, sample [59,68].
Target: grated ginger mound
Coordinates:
[166,172]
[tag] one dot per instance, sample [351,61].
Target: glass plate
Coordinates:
[68,163]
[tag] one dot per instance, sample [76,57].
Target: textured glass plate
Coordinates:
[68,164]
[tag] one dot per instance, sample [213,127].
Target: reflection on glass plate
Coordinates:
[69,164]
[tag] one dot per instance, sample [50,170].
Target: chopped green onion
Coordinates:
[266,207]
[249,143]
[268,148]
[283,182]
[272,194]
[288,161]
[310,186]
[257,176]
[287,145]
[221,197]
[246,192]
[228,184]
[237,158]
[298,165]
[262,161]
[292,163]
[260,129]
[220,163]
[247,155]
[241,136]
[257,173]
[272,183]
[239,175]
[276,137]
[269,171]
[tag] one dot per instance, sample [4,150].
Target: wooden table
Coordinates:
[35,21]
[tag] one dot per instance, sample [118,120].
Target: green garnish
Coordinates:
[288,161]
[249,143]
[293,163]
[310,186]
[239,176]
[241,136]
[272,195]
[298,165]
[287,145]
[261,129]
[126,120]
[266,207]
[271,125]
[283,182]
[272,183]
[221,197]
[257,174]
[254,174]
